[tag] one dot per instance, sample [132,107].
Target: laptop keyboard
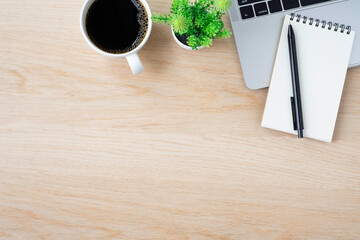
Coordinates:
[252,8]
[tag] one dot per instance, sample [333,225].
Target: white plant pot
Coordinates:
[180,43]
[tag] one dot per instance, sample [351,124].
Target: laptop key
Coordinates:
[309,2]
[247,12]
[244,2]
[289,4]
[261,9]
[275,6]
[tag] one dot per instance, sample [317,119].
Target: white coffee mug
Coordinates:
[132,56]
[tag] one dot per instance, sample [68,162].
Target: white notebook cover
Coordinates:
[323,57]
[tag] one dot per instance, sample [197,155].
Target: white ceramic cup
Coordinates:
[132,56]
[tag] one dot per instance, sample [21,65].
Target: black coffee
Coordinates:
[117,26]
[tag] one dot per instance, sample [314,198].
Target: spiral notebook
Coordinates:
[323,50]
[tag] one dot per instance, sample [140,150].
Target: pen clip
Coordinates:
[293,112]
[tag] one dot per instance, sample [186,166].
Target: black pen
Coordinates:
[296,99]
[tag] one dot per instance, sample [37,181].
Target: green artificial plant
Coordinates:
[198,20]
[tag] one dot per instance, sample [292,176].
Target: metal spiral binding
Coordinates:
[305,19]
[342,28]
[336,27]
[331,25]
[311,21]
[323,23]
[349,29]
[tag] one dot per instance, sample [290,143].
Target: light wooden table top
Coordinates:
[89,151]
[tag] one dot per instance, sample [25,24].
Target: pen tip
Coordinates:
[291,31]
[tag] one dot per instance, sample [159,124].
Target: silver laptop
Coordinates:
[256,26]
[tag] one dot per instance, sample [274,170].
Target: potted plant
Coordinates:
[195,24]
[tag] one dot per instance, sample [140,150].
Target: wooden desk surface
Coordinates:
[89,151]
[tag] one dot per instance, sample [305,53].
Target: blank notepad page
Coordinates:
[323,50]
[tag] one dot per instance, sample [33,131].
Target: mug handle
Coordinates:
[135,63]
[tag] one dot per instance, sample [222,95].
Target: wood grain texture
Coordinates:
[89,151]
